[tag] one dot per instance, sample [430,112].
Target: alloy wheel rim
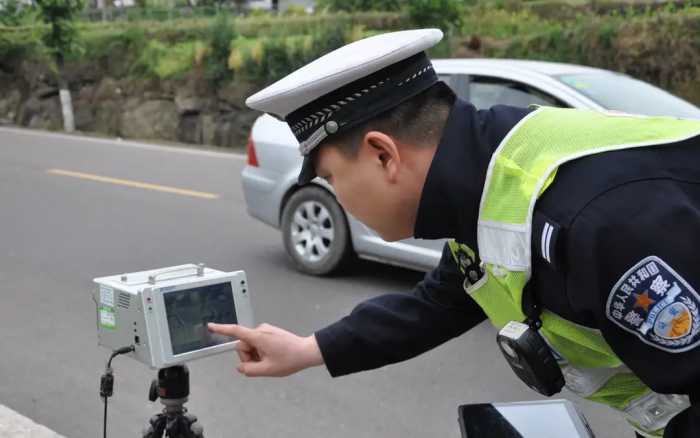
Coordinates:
[312,231]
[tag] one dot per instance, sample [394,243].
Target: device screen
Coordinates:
[188,312]
[522,420]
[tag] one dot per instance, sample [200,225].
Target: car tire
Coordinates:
[315,232]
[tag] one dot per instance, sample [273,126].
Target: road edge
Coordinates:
[183,148]
[16,425]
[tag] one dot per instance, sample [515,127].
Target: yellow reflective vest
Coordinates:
[521,169]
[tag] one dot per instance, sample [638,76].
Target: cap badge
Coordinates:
[331,127]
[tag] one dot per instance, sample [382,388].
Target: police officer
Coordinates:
[588,221]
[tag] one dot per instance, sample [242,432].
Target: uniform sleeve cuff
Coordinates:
[334,346]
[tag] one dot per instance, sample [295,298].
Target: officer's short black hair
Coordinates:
[418,121]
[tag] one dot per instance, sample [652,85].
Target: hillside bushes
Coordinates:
[655,42]
[660,47]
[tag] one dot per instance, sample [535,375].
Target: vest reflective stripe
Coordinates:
[520,170]
[500,296]
[530,154]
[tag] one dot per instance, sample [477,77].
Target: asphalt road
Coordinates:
[59,229]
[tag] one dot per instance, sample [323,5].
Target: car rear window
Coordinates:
[622,93]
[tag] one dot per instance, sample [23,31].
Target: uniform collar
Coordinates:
[449,205]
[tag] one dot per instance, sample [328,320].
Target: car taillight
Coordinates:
[250,149]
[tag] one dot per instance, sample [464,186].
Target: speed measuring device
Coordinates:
[163,313]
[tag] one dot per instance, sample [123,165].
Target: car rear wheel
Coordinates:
[315,232]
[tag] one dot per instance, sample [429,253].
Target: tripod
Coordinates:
[172,387]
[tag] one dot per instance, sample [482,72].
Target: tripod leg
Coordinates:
[193,428]
[155,427]
[184,426]
[197,430]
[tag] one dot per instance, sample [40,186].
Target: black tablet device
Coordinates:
[538,419]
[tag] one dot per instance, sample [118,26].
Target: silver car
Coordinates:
[321,237]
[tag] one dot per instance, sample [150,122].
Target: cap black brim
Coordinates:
[308,171]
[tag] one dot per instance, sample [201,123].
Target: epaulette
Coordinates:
[547,240]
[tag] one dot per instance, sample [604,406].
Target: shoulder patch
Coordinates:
[657,305]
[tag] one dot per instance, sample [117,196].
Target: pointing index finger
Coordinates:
[234,330]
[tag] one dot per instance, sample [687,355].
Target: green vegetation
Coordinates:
[256,48]
[169,61]
[223,32]
[661,46]
[656,42]
[14,13]
[61,36]
[269,58]
[444,14]
[360,5]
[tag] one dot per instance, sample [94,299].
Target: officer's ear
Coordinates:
[384,152]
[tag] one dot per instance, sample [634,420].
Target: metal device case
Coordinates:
[132,309]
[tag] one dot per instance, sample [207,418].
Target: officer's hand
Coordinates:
[270,351]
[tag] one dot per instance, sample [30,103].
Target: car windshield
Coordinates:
[623,93]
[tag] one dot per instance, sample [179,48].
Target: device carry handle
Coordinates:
[198,270]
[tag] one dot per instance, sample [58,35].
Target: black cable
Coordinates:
[107,382]
[104,423]
[116,353]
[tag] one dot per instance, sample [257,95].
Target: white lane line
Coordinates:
[127,143]
[15,425]
[131,183]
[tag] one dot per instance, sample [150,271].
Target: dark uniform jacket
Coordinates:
[611,215]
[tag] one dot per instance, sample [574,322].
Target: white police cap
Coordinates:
[349,86]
